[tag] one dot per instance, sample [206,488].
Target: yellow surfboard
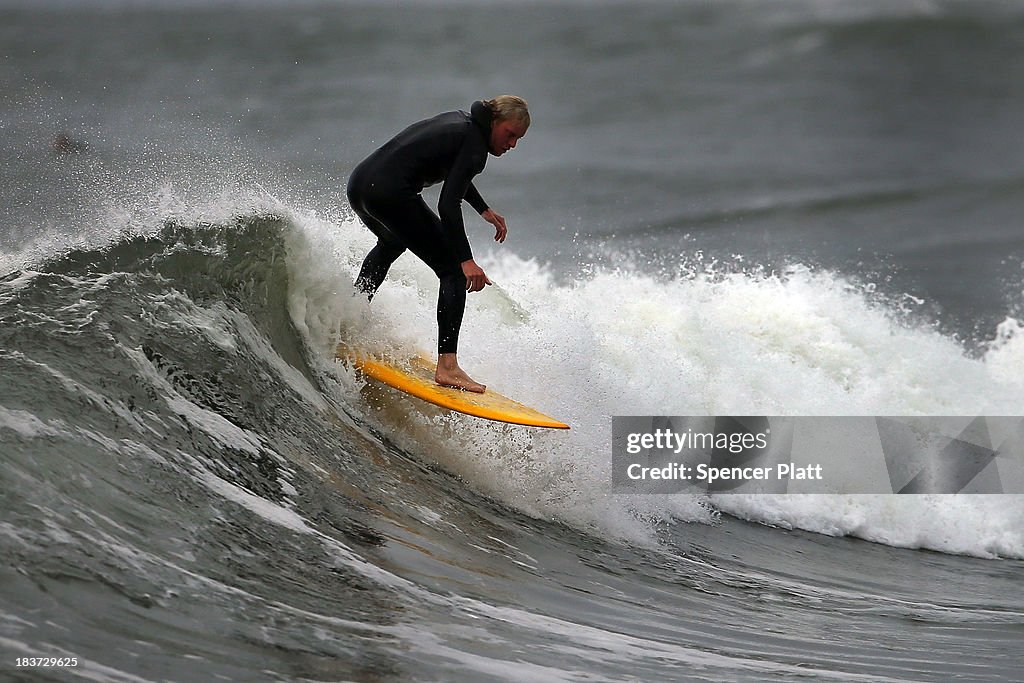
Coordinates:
[416,378]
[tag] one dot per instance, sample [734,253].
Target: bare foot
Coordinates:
[449,374]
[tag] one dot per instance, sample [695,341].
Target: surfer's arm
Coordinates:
[449,209]
[486,212]
[475,200]
[449,205]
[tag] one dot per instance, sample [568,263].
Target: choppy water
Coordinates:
[722,208]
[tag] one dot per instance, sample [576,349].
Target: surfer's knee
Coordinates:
[388,251]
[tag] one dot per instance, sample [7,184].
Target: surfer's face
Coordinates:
[504,136]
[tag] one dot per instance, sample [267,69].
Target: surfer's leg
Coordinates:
[389,245]
[451,304]
[420,231]
[430,244]
[375,267]
[377,263]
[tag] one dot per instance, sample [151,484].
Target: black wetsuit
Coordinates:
[384,190]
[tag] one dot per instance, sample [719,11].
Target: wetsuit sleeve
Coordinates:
[449,206]
[475,200]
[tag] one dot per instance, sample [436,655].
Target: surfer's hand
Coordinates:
[476,279]
[498,221]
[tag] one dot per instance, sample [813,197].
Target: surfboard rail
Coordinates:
[415,377]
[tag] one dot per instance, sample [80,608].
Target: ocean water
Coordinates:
[729,207]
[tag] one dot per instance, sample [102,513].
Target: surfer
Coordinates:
[384,190]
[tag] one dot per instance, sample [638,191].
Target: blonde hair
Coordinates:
[505,107]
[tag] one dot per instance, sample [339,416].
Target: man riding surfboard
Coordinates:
[384,191]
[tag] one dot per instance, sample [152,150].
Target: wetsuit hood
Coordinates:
[481,115]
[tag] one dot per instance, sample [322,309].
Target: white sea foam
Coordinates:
[620,343]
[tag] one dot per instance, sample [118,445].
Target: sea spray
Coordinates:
[706,341]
